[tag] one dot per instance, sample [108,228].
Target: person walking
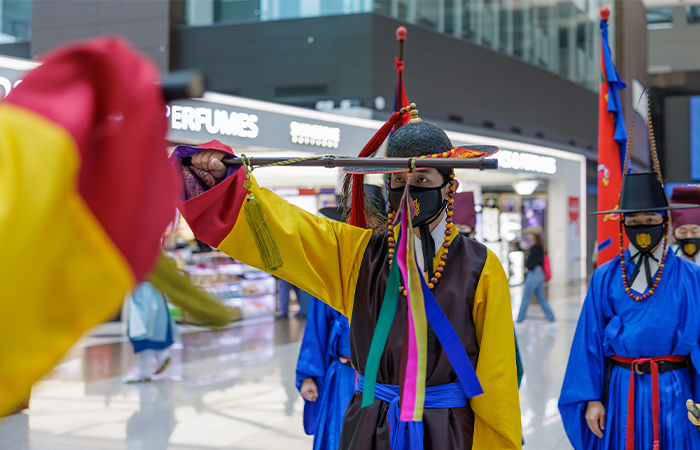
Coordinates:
[535,279]
[150,330]
[284,288]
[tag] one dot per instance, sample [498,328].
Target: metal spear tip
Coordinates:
[183,84]
[401,33]
[604,13]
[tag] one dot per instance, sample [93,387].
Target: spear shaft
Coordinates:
[331,162]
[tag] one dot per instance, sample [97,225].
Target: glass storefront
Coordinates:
[15,21]
[561,36]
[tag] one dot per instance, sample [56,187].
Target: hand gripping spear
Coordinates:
[693,412]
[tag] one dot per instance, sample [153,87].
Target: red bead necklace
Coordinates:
[624,269]
[445,245]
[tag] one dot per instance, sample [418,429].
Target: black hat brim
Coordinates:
[484,150]
[333,213]
[338,213]
[638,210]
[378,170]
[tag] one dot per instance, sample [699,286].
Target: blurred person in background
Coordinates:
[150,329]
[686,223]
[535,277]
[284,289]
[465,214]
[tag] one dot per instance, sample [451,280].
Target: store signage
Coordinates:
[293,192]
[214,121]
[573,209]
[286,192]
[6,86]
[315,135]
[526,162]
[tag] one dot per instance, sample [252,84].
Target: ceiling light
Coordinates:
[526,187]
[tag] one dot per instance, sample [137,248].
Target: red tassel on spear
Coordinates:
[358,216]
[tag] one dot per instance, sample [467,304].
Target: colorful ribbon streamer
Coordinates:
[413,394]
[422,309]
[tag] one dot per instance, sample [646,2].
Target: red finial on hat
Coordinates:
[401,33]
[604,13]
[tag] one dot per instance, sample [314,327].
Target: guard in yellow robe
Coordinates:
[348,267]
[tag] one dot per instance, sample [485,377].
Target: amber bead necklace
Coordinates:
[449,227]
[624,268]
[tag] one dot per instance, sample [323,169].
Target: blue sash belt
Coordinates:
[409,435]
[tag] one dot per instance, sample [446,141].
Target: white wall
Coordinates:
[556,230]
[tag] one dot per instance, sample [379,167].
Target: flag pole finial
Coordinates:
[604,13]
[401,37]
[401,33]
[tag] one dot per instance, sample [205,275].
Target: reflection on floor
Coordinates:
[234,389]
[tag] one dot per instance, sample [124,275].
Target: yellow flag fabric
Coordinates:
[79,227]
[55,255]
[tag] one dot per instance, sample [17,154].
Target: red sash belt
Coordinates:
[635,363]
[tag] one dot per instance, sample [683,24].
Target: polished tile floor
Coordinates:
[234,389]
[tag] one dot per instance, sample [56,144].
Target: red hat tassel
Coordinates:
[358,217]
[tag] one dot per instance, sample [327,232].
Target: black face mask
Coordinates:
[690,247]
[645,237]
[428,202]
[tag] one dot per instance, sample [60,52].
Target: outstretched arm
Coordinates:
[319,256]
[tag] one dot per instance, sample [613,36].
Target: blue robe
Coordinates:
[612,323]
[150,325]
[326,338]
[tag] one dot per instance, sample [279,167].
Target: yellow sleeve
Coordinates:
[320,256]
[497,410]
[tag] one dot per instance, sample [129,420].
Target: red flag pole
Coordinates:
[609,160]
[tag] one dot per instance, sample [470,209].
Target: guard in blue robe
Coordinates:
[325,358]
[617,335]
[150,330]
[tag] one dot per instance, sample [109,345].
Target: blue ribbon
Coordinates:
[615,84]
[453,347]
[409,435]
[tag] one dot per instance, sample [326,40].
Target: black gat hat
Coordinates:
[642,192]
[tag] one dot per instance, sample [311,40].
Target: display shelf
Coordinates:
[233,283]
[253,306]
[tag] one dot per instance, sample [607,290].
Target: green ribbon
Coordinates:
[381,331]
